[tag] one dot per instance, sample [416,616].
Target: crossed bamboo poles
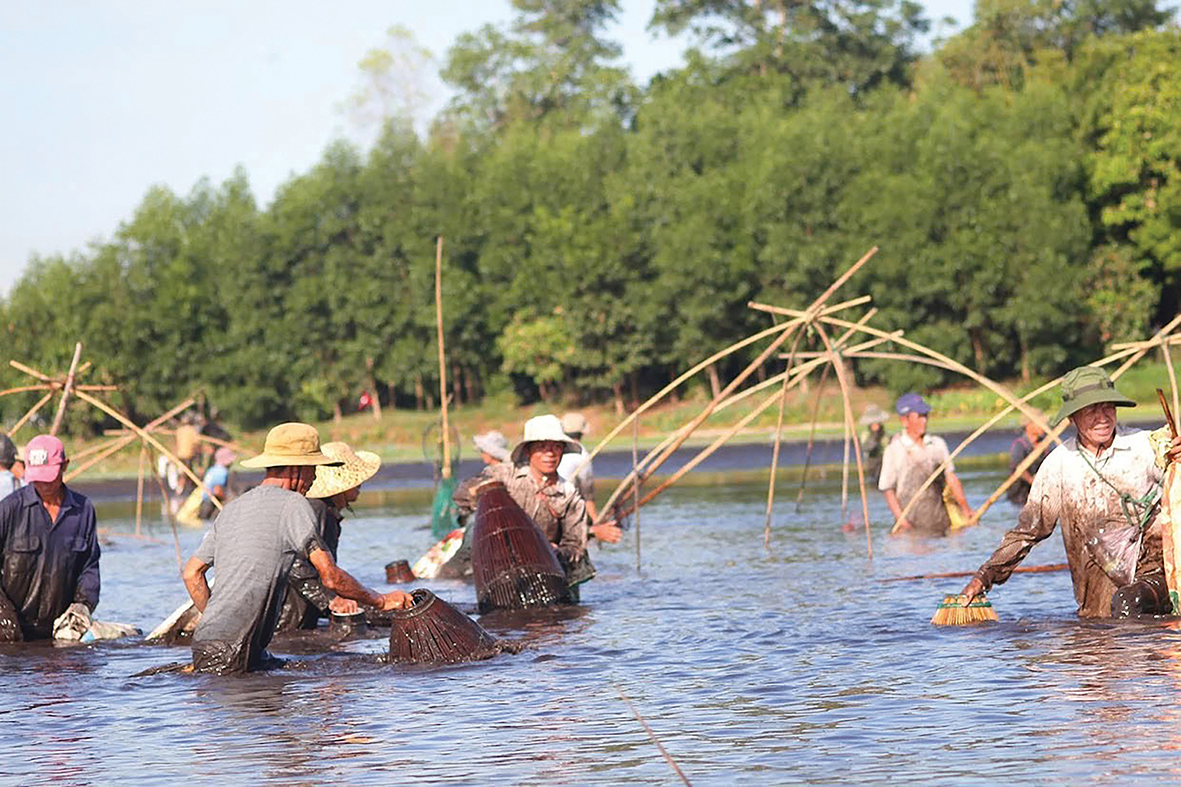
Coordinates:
[68,386]
[819,320]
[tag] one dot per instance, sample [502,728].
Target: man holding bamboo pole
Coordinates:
[1103,486]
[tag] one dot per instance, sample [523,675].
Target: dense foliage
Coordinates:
[600,236]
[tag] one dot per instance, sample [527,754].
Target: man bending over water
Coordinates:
[253,543]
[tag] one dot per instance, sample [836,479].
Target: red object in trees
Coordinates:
[366,400]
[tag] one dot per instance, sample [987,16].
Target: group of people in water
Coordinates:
[273,548]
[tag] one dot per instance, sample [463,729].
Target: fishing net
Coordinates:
[443,511]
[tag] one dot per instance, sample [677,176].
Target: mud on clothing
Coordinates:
[906,464]
[251,546]
[306,599]
[47,565]
[1067,491]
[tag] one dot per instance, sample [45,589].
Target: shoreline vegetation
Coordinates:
[398,436]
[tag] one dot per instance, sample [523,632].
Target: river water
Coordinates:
[793,665]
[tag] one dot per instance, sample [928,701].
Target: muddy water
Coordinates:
[789,666]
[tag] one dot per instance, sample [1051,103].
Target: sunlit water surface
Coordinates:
[794,665]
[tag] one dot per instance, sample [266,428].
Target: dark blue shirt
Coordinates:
[46,566]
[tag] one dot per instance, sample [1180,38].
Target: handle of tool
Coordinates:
[1164,403]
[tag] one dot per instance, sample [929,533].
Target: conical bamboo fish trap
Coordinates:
[513,564]
[434,632]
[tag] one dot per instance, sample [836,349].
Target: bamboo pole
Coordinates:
[110,448]
[25,389]
[1164,348]
[74,457]
[122,442]
[442,355]
[32,411]
[812,435]
[636,489]
[180,561]
[798,371]
[810,315]
[839,365]
[666,390]
[152,441]
[778,439]
[957,574]
[45,378]
[705,453]
[61,405]
[845,474]
[139,490]
[1038,449]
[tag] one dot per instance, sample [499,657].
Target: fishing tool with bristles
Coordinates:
[953,612]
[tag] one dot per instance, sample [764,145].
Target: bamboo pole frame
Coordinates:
[61,405]
[446,435]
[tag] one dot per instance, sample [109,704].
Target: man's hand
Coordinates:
[1174,452]
[395,599]
[343,606]
[972,590]
[608,532]
[901,526]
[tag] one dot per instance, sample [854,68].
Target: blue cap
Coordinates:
[911,403]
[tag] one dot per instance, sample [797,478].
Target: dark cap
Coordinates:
[911,403]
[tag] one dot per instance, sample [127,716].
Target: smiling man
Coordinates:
[1103,482]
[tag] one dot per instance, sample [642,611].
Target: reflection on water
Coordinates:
[788,666]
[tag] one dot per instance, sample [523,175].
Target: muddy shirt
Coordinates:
[47,565]
[251,546]
[906,465]
[306,599]
[1066,490]
[557,509]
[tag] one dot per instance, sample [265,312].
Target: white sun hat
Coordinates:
[543,429]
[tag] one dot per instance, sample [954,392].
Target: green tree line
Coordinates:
[601,236]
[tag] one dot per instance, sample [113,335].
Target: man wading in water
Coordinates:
[1103,482]
[253,543]
[907,462]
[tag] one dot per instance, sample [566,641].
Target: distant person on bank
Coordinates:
[335,488]
[907,462]
[252,545]
[578,470]
[1104,479]
[49,550]
[1031,435]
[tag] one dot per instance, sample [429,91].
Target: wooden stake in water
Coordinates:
[139,489]
[778,441]
[811,436]
[446,435]
[636,488]
[652,735]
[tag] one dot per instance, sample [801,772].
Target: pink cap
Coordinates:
[44,456]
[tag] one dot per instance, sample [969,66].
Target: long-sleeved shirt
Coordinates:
[557,508]
[46,566]
[1067,490]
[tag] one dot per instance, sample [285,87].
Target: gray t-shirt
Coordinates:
[251,546]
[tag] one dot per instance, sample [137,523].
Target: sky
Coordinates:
[102,99]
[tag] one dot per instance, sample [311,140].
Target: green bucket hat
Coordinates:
[1084,386]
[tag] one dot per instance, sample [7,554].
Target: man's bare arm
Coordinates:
[342,583]
[195,582]
[896,509]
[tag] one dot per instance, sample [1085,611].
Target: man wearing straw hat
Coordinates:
[532,480]
[1103,486]
[252,544]
[493,447]
[335,488]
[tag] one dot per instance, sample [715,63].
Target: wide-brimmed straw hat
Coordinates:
[492,443]
[543,429]
[357,468]
[1085,386]
[291,444]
